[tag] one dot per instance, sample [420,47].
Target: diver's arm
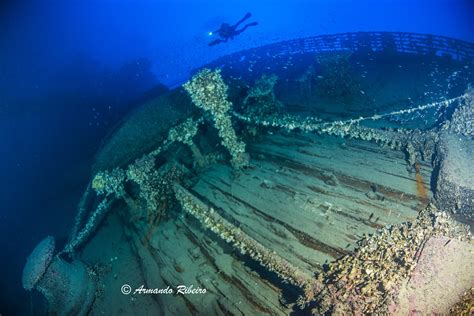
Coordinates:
[217,41]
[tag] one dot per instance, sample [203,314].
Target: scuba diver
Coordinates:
[227,31]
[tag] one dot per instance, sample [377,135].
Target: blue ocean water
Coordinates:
[72,71]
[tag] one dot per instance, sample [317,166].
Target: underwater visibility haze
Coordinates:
[237,157]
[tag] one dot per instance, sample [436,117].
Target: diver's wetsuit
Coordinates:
[227,31]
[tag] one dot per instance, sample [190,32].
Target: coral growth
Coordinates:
[209,92]
[112,185]
[465,306]
[184,133]
[92,223]
[245,244]
[349,128]
[108,183]
[81,211]
[367,280]
[462,120]
[417,144]
[154,186]
[138,171]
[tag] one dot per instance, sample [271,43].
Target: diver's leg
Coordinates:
[245,27]
[248,15]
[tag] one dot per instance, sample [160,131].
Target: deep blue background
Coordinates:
[69,70]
